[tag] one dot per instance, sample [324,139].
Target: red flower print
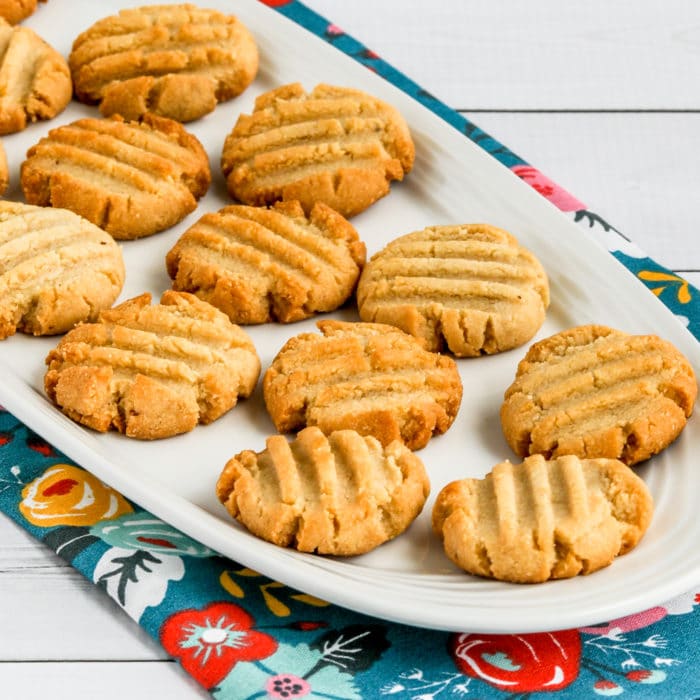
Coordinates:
[638,676]
[307,626]
[520,663]
[334,30]
[606,687]
[275,3]
[211,641]
[35,443]
[548,189]
[646,676]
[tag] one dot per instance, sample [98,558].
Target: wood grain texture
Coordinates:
[81,680]
[50,612]
[639,171]
[537,55]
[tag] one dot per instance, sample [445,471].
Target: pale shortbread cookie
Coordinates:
[131,178]
[56,270]
[35,79]
[368,377]
[177,61]
[541,519]
[593,391]
[334,145]
[259,265]
[152,371]
[343,494]
[471,289]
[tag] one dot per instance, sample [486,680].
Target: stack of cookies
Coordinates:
[347,407]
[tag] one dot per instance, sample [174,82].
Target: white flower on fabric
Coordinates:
[682,604]
[606,235]
[137,579]
[656,641]
[666,662]
[145,532]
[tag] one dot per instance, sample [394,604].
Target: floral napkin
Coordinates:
[244,636]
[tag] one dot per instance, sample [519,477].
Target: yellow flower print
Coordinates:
[683,293]
[273,602]
[67,495]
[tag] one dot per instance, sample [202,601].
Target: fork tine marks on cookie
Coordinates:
[148,58]
[334,145]
[56,270]
[35,78]
[372,378]
[132,179]
[258,264]
[541,519]
[152,372]
[341,494]
[597,392]
[470,289]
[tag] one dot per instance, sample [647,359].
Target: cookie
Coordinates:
[343,494]
[177,61]
[258,264]
[56,270]
[542,520]
[152,371]
[14,11]
[35,79]
[372,378]
[470,289]
[131,178]
[334,145]
[4,170]
[594,391]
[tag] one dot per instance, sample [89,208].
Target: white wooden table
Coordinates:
[600,96]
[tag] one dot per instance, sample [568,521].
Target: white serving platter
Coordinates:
[408,580]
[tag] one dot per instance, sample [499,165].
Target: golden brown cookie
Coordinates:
[35,79]
[368,377]
[14,11]
[4,170]
[152,371]
[132,179]
[593,391]
[470,289]
[542,519]
[334,145]
[177,61]
[258,264]
[343,494]
[56,269]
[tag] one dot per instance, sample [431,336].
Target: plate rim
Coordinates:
[179,512]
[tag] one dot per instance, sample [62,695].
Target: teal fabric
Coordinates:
[243,636]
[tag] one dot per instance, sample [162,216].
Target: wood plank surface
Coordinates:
[48,611]
[536,55]
[640,171]
[90,680]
